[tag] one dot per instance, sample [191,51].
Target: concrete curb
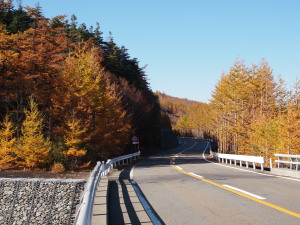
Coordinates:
[100,203]
[285,172]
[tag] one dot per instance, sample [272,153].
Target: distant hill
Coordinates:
[174,107]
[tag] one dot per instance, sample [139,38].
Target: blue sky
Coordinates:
[188,44]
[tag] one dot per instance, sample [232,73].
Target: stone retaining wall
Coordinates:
[39,201]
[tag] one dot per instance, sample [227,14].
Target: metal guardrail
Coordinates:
[85,210]
[294,160]
[241,158]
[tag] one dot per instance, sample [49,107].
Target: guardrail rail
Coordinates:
[239,158]
[85,209]
[292,160]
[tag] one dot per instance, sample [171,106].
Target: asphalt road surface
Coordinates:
[183,186]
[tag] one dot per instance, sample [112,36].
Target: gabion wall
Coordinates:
[39,201]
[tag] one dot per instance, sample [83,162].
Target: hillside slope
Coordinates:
[174,107]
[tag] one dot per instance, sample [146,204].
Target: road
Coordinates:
[190,190]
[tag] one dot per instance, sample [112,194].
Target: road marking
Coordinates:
[179,167]
[248,171]
[245,192]
[242,194]
[152,215]
[131,173]
[238,192]
[174,156]
[287,178]
[195,174]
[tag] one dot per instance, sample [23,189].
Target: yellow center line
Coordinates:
[239,193]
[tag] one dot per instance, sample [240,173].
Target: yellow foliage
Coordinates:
[85,165]
[7,144]
[73,138]
[75,152]
[98,116]
[57,168]
[33,148]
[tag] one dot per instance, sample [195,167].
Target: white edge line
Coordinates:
[145,204]
[195,174]
[263,174]
[131,173]
[288,178]
[245,192]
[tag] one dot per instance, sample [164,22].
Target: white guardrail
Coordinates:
[84,213]
[241,158]
[293,160]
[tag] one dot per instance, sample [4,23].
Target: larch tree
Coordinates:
[7,144]
[84,88]
[112,126]
[73,139]
[245,104]
[33,149]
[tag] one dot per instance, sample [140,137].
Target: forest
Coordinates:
[250,112]
[67,97]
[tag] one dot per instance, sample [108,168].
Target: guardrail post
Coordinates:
[279,158]
[271,163]
[253,165]
[247,166]
[241,163]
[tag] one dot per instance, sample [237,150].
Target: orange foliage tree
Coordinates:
[7,144]
[84,89]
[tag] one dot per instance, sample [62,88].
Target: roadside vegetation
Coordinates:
[250,113]
[67,97]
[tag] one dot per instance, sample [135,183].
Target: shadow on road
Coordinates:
[124,206]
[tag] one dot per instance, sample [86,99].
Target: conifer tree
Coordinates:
[85,89]
[7,144]
[33,148]
[73,139]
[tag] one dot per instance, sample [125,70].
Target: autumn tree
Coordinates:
[73,139]
[29,63]
[106,88]
[243,101]
[7,144]
[85,89]
[33,149]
